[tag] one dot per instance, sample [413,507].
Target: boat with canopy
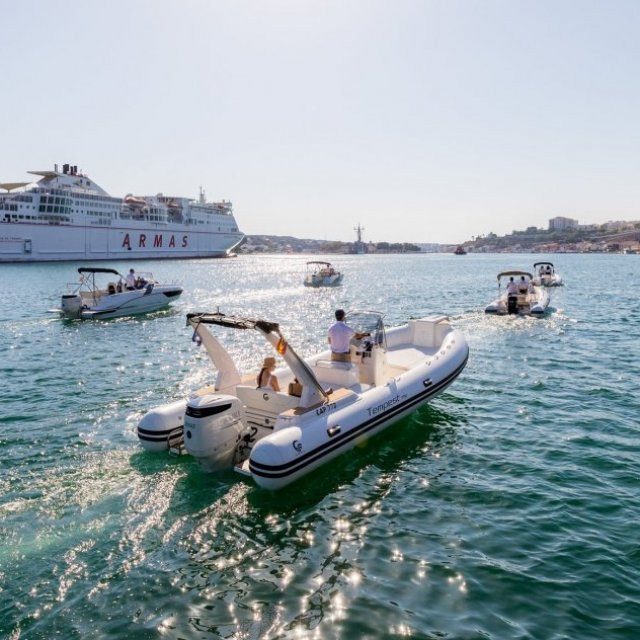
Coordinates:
[520,295]
[329,408]
[91,299]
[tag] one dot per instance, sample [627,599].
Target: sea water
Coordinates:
[506,508]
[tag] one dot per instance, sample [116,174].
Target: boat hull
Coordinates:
[323,281]
[553,280]
[535,305]
[292,452]
[127,303]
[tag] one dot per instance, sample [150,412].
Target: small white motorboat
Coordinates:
[546,275]
[321,274]
[520,296]
[330,408]
[88,300]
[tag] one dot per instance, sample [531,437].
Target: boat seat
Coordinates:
[263,406]
[335,373]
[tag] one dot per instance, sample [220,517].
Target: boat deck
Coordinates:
[405,357]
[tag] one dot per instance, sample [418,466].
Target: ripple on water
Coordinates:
[505,509]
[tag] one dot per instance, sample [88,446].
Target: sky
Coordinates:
[421,120]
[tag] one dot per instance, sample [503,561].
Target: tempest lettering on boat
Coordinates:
[385,405]
[327,407]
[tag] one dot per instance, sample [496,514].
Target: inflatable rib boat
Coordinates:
[524,298]
[276,437]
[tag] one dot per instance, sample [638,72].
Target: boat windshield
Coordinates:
[370,322]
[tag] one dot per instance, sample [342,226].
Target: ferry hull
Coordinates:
[43,243]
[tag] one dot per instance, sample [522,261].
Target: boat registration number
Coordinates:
[324,408]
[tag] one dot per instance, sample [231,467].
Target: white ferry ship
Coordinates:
[65,215]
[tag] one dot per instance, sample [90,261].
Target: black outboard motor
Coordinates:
[512,304]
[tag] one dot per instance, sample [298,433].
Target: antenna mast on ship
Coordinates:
[359,229]
[203,198]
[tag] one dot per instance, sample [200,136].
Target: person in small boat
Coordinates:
[512,296]
[512,287]
[523,286]
[130,280]
[266,379]
[340,334]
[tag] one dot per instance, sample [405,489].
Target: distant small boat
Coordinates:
[547,275]
[524,298]
[88,300]
[460,251]
[321,274]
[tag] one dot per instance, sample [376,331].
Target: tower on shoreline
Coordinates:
[359,245]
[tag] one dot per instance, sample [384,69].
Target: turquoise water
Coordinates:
[507,508]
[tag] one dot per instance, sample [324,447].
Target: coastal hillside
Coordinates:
[569,237]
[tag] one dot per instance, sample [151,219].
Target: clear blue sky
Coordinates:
[423,120]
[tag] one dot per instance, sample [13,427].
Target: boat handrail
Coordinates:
[514,273]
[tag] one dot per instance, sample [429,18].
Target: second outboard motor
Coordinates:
[213,429]
[161,429]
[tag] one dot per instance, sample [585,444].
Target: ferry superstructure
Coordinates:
[65,215]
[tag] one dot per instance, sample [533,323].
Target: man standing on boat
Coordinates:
[512,296]
[340,334]
[131,280]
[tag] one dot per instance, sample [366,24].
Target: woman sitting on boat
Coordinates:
[266,379]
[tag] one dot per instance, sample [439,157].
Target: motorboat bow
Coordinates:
[321,274]
[546,275]
[276,437]
[520,296]
[90,300]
